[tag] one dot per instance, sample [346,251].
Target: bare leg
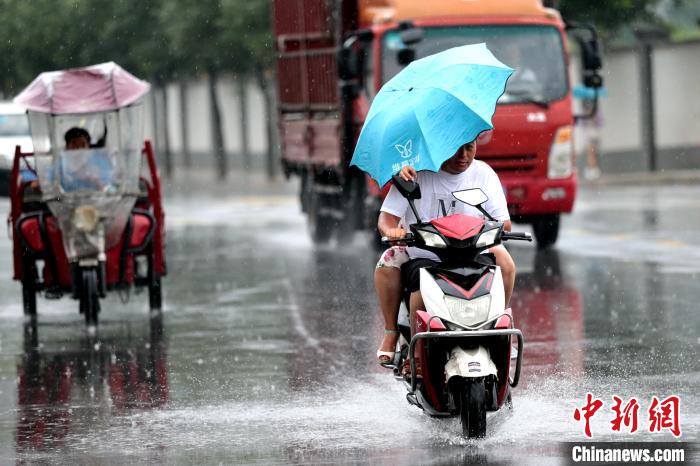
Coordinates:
[505,262]
[387,282]
[416,303]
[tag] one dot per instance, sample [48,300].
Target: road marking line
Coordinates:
[298,320]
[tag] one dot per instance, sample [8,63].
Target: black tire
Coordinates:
[28,299]
[29,280]
[321,225]
[472,411]
[155,294]
[89,298]
[5,182]
[29,290]
[546,230]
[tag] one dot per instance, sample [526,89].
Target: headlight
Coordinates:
[561,155]
[433,240]
[85,218]
[487,238]
[468,312]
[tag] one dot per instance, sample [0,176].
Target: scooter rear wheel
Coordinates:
[473,408]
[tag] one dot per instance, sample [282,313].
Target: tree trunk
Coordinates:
[271,160]
[186,162]
[243,113]
[217,130]
[166,135]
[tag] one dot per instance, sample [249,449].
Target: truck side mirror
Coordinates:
[591,62]
[587,39]
[411,35]
[408,189]
[350,58]
[348,64]
[405,56]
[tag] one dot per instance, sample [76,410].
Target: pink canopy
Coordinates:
[96,88]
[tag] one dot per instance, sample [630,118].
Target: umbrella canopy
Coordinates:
[431,108]
[96,88]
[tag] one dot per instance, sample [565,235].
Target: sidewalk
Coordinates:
[661,177]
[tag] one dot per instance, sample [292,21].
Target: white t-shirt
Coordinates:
[437,200]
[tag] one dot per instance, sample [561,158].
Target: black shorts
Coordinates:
[410,273]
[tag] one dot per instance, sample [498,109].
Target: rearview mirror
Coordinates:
[408,189]
[473,197]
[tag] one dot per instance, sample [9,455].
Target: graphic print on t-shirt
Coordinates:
[443,206]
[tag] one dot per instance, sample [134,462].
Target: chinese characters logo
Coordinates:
[662,414]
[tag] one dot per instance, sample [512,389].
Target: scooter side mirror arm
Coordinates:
[414,210]
[486,214]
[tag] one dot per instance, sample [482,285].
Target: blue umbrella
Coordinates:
[431,108]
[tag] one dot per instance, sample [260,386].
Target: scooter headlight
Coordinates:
[432,239]
[487,238]
[85,218]
[468,312]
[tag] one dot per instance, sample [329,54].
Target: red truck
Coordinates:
[333,56]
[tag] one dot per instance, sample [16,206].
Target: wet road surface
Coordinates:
[264,352]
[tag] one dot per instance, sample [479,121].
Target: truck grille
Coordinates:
[511,164]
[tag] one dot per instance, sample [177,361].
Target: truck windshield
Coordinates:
[535,52]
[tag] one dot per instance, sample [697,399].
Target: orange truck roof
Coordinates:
[381,11]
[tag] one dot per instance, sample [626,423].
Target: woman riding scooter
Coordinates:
[398,266]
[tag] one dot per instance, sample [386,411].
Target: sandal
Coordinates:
[406,369]
[386,358]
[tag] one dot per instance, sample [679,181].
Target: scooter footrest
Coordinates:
[411,398]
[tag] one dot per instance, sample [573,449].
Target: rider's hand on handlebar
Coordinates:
[408,173]
[393,234]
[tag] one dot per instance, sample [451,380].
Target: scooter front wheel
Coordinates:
[472,410]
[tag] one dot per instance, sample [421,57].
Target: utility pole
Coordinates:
[646,37]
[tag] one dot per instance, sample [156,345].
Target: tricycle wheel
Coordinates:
[29,290]
[28,299]
[155,294]
[89,299]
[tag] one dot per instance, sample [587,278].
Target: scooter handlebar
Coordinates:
[408,239]
[520,236]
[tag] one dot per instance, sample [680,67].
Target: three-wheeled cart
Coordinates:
[86,215]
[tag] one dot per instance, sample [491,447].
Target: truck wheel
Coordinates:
[321,226]
[546,229]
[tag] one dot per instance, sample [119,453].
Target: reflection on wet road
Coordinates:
[264,353]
